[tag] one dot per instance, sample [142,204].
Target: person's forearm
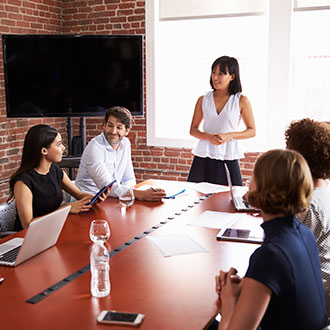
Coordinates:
[226,313]
[195,132]
[139,194]
[246,134]
[78,195]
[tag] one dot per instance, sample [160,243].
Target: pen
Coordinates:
[154,189]
[173,196]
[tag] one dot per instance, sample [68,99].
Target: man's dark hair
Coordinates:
[122,114]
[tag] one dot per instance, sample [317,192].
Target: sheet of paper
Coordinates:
[144,187]
[209,188]
[174,244]
[247,221]
[212,219]
[240,190]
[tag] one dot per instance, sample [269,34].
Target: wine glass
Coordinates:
[247,184]
[99,231]
[127,199]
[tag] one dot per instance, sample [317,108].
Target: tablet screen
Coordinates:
[242,235]
[236,233]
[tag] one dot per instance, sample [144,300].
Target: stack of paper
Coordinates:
[174,244]
[212,219]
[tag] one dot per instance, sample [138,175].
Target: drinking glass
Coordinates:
[127,199]
[247,184]
[99,231]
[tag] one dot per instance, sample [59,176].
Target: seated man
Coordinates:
[107,157]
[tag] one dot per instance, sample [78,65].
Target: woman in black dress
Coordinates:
[37,184]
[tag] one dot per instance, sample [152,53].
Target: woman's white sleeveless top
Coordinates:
[227,121]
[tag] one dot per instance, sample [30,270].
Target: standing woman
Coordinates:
[37,184]
[221,110]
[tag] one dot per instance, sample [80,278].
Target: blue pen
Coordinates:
[173,196]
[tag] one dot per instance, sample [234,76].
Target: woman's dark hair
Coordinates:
[312,139]
[38,137]
[228,65]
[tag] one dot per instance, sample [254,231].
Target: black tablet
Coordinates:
[94,199]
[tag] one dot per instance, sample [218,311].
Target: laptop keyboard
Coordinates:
[242,203]
[11,255]
[245,203]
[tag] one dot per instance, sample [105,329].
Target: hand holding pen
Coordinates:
[154,194]
[172,196]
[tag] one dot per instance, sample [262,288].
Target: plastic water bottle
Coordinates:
[100,280]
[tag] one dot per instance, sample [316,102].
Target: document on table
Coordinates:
[240,190]
[212,219]
[175,244]
[209,188]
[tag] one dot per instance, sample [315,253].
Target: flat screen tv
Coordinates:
[72,75]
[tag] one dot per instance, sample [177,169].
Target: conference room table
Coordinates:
[176,292]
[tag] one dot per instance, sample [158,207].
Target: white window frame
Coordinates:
[279,57]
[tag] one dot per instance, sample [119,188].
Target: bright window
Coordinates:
[284,62]
[311,65]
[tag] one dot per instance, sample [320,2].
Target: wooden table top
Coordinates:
[173,292]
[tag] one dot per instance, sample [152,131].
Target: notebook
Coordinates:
[40,235]
[239,203]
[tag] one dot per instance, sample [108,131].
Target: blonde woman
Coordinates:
[282,288]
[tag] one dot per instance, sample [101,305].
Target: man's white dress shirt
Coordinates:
[101,164]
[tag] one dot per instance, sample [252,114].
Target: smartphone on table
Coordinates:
[101,191]
[121,318]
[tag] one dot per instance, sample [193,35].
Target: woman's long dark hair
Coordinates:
[38,137]
[229,65]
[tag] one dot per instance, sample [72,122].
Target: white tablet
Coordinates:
[241,235]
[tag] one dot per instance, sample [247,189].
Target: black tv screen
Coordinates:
[72,75]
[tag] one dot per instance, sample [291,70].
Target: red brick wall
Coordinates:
[23,17]
[84,17]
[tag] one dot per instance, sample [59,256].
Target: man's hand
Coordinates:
[151,194]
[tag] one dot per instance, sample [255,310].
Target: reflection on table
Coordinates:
[173,292]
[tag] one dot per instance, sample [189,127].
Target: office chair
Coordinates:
[7,219]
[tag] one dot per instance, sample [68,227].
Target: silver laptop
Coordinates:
[239,203]
[40,235]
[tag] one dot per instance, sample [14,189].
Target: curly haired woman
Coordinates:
[312,139]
